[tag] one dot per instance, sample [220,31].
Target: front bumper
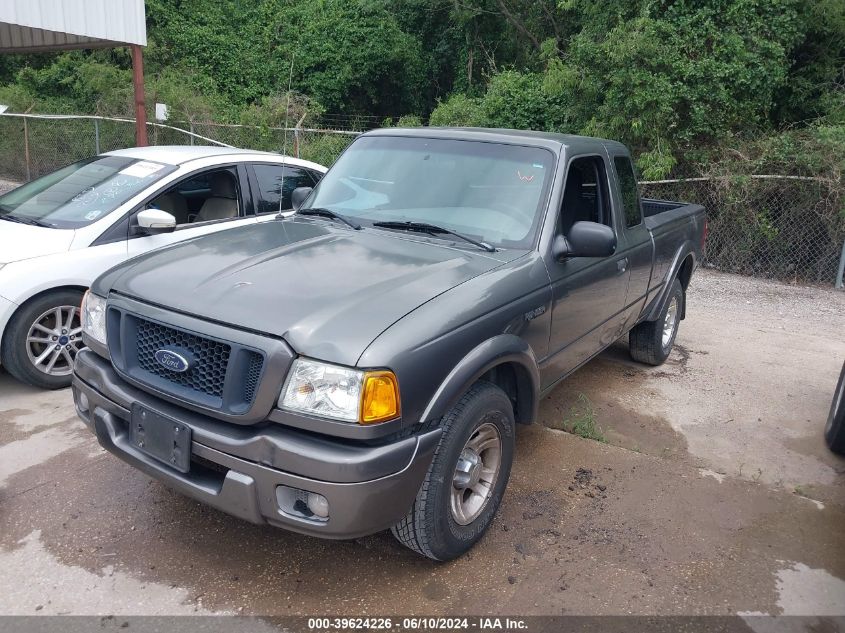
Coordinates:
[237,468]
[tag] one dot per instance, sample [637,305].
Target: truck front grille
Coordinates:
[211,358]
[223,374]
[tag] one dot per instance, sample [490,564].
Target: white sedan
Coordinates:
[59,232]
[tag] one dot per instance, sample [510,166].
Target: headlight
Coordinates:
[340,393]
[94,317]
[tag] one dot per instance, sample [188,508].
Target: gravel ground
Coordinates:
[713,493]
[7,185]
[817,308]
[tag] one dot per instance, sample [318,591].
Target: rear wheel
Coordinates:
[834,430]
[651,342]
[42,339]
[467,477]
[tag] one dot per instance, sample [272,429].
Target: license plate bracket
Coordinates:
[161,437]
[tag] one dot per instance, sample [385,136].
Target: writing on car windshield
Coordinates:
[81,193]
[492,192]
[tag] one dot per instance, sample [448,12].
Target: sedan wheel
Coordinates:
[42,339]
[54,339]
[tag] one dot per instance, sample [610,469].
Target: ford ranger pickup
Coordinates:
[362,362]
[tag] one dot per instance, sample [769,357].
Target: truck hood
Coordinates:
[22,241]
[328,291]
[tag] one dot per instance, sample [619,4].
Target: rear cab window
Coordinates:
[628,190]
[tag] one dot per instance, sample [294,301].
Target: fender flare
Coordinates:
[685,250]
[495,351]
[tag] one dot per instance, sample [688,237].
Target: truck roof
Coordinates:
[550,140]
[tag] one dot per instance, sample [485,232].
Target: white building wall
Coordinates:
[34,24]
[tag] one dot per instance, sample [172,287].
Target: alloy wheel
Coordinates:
[54,339]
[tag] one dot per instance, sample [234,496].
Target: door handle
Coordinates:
[622,265]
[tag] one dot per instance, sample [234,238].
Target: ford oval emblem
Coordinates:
[171,360]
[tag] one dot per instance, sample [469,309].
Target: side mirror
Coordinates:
[585,239]
[153,221]
[299,195]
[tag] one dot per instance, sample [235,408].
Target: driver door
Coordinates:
[588,293]
[203,202]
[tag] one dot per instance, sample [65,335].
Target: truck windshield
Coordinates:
[81,193]
[491,192]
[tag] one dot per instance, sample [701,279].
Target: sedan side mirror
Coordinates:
[299,195]
[153,221]
[585,239]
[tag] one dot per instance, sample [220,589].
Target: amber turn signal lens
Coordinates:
[379,398]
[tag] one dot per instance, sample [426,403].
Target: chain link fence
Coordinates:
[783,227]
[34,145]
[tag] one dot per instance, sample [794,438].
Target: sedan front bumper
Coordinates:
[238,468]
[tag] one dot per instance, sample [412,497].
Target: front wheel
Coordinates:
[42,339]
[651,342]
[467,477]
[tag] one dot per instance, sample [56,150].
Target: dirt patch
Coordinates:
[618,395]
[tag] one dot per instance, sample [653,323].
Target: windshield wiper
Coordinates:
[328,213]
[23,220]
[433,229]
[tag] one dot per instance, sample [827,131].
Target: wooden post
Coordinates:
[138,85]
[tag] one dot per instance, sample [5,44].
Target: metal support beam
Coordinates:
[841,270]
[138,85]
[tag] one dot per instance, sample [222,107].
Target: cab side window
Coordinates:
[628,189]
[276,180]
[585,196]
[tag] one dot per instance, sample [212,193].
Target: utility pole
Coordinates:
[138,85]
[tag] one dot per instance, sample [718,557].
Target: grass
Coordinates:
[581,420]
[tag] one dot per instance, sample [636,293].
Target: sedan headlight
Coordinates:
[94,317]
[340,393]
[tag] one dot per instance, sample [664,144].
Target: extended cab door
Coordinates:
[588,293]
[635,241]
[205,201]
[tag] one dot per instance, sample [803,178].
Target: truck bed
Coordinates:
[671,224]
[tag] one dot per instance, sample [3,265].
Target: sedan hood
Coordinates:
[328,291]
[23,241]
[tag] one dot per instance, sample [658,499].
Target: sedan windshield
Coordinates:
[491,192]
[81,193]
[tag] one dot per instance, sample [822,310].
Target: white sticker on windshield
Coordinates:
[93,215]
[141,169]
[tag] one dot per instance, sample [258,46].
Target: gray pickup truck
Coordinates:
[362,363]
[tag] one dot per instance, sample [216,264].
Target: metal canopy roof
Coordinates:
[28,26]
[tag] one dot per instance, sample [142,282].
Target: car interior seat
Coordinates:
[223,201]
[174,204]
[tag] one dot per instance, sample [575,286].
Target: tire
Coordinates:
[435,528]
[646,342]
[834,430]
[19,355]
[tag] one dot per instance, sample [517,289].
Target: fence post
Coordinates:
[841,267]
[97,136]
[192,132]
[26,148]
[296,141]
